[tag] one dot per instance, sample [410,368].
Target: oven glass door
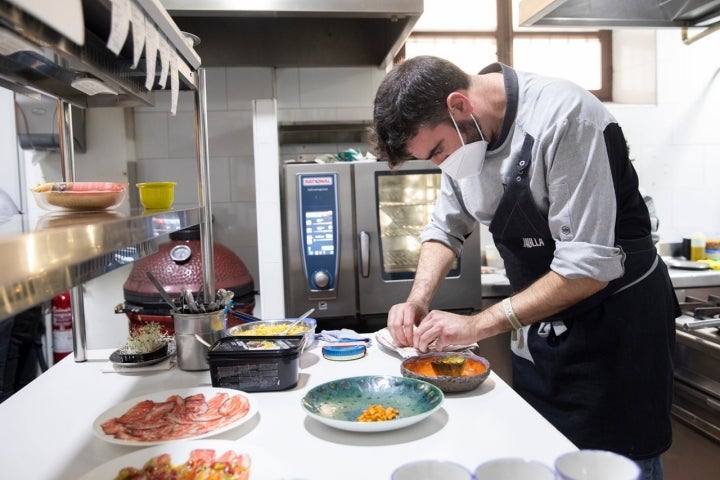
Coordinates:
[388,225]
[405,203]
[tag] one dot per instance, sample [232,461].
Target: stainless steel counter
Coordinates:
[496,285]
[694,279]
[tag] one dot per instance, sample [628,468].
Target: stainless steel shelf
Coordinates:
[38,265]
[38,58]
[54,61]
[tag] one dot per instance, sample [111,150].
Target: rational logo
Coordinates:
[310,181]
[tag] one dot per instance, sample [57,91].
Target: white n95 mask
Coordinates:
[467,160]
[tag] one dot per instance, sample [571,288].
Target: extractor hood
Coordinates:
[306,33]
[618,13]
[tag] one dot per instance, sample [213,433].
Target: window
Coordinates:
[474,33]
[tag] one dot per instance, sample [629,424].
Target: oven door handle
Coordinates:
[364,255]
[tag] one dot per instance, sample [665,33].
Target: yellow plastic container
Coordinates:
[156,195]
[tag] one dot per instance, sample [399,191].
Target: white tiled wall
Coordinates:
[676,143]
[166,145]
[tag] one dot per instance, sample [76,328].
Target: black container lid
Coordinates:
[252,346]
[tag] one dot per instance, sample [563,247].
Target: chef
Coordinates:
[545,166]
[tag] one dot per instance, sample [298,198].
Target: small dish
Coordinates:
[432,470]
[475,371]
[145,359]
[339,403]
[596,465]
[514,468]
[156,195]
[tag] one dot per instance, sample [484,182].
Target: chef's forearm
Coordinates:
[433,265]
[550,294]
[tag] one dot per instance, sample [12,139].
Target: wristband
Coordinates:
[510,314]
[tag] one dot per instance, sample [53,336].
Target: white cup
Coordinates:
[513,469]
[596,465]
[432,470]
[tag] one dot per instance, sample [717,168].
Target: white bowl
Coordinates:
[596,465]
[431,470]
[513,469]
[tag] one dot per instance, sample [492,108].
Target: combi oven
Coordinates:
[351,239]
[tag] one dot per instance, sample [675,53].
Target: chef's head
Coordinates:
[413,101]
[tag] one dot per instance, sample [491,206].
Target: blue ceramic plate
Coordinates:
[340,402]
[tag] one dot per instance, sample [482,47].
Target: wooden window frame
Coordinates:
[504,36]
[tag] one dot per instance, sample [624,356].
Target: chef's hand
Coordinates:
[402,319]
[445,329]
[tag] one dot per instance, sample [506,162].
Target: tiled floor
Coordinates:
[692,456]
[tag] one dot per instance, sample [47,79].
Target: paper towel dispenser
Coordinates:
[37,124]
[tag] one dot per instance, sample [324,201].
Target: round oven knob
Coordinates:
[321,279]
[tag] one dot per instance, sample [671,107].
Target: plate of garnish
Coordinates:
[373,403]
[207,458]
[146,345]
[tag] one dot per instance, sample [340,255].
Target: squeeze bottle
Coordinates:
[697,247]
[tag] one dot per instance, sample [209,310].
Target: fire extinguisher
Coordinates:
[62,335]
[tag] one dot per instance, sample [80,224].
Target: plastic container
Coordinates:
[256,363]
[263,327]
[156,195]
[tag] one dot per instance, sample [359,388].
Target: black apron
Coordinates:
[606,381]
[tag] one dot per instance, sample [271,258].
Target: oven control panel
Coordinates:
[318,209]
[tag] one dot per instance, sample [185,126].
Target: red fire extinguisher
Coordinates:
[62,336]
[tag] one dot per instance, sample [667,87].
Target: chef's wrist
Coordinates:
[510,315]
[419,304]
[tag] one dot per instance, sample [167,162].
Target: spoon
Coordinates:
[299,319]
[163,293]
[190,300]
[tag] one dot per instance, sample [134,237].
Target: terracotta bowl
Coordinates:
[425,367]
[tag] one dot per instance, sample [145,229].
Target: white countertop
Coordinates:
[47,426]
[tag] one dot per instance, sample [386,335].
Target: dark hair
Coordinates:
[413,94]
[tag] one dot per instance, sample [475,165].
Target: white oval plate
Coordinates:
[209,392]
[262,463]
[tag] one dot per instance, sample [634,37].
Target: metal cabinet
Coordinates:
[37,56]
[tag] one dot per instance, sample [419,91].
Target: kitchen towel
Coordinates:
[342,335]
[385,339]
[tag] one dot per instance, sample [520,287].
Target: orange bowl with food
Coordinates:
[449,371]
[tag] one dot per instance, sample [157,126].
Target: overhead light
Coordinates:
[92,86]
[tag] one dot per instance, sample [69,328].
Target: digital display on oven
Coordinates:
[319,234]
